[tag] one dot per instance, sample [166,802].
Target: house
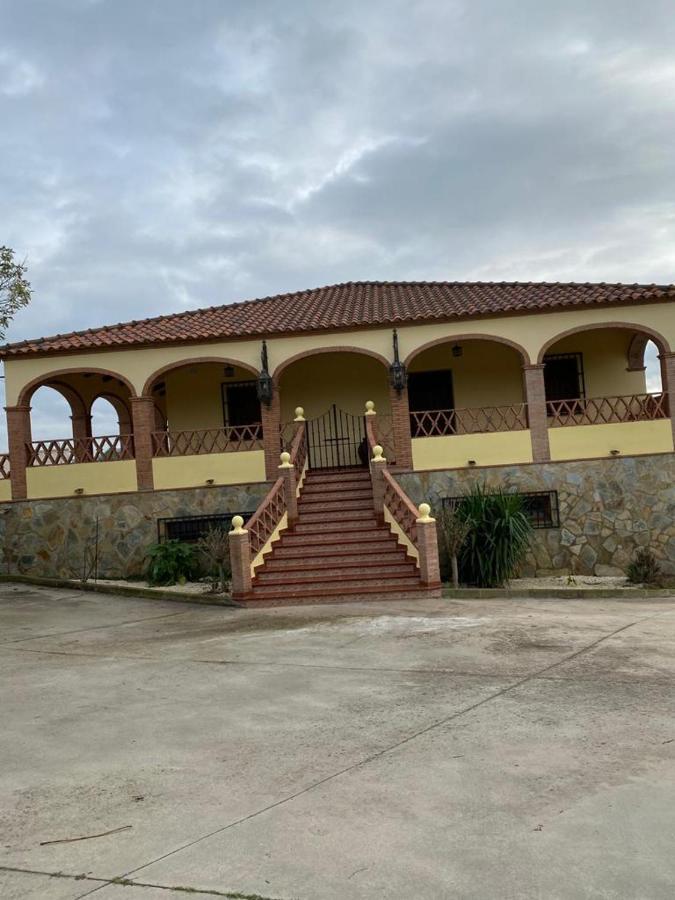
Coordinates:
[538,387]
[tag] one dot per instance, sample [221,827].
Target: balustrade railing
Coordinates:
[210,440]
[4,465]
[481,420]
[110,448]
[266,519]
[400,506]
[606,410]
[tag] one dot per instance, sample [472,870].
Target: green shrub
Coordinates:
[170,562]
[498,538]
[644,569]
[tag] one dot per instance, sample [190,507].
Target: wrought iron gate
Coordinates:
[336,440]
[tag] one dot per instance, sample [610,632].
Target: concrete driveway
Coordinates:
[413,750]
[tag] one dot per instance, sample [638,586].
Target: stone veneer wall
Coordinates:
[48,538]
[608,508]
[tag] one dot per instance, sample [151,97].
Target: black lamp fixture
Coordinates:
[398,376]
[265,388]
[457,350]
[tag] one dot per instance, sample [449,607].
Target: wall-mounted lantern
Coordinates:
[398,376]
[265,387]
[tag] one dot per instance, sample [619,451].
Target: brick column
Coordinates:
[535,397]
[427,545]
[287,472]
[271,426]
[668,383]
[240,559]
[81,424]
[400,416]
[18,437]
[143,417]
[378,465]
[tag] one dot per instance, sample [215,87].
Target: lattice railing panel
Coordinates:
[267,517]
[481,420]
[4,465]
[384,431]
[401,507]
[210,440]
[299,448]
[606,410]
[109,448]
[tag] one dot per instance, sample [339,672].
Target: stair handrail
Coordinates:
[413,525]
[277,511]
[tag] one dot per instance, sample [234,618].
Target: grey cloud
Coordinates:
[163,155]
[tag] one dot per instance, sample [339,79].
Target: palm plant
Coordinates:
[499,535]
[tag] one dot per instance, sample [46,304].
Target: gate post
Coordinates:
[378,465]
[427,545]
[240,559]
[287,472]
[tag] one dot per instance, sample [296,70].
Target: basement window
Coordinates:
[190,529]
[541,507]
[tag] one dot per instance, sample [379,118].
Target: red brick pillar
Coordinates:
[18,439]
[400,416]
[143,417]
[81,424]
[378,465]
[240,559]
[535,397]
[427,545]
[668,383]
[271,426]
[287,472]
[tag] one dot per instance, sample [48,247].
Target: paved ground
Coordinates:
[401,750]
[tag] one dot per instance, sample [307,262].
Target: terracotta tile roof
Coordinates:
[348,305]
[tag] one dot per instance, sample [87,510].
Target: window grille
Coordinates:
[191,528]
[541,507]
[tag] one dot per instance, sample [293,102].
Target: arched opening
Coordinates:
[205,406]
[51,415]
[332,387]
[610,373]
[108,417]
[61,417]
[466,386]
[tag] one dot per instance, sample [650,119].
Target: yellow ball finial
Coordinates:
[285,458]
[299,414]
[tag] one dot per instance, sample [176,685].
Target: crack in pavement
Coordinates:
[130,882]
[40,637]
[384,751]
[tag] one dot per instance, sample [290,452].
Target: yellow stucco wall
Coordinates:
[94,478]
[530,331]
[194,397]
[5,490]
[486,374]
[347,379]
[193,471]
[604,361]
[582,441]
[454,451]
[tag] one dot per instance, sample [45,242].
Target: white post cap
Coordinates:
[424,510]
[377,454]
[238,525]
[370,408]
[299,414]
[285,458]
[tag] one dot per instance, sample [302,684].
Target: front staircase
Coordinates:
[337,548]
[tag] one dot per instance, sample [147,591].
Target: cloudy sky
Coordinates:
[159,155]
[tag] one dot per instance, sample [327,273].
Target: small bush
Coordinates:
[214,547]
[498,537]
[170,562]
[644,569]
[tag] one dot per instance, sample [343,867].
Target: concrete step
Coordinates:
[307,596]
[334,569]
[286,587]
[336,514]
[299,557]
[309,542]
[336,524]
[336,476]
[316,498]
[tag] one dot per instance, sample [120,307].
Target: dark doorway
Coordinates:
[429,391]
[240,403]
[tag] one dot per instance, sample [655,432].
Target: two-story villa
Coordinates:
[537,387]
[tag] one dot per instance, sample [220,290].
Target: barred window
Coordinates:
[191,528]
[541,507]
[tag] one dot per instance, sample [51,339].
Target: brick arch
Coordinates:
[180,364]
[47,381]
[458,338]
[121,409]
[281,368]
[650,333]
